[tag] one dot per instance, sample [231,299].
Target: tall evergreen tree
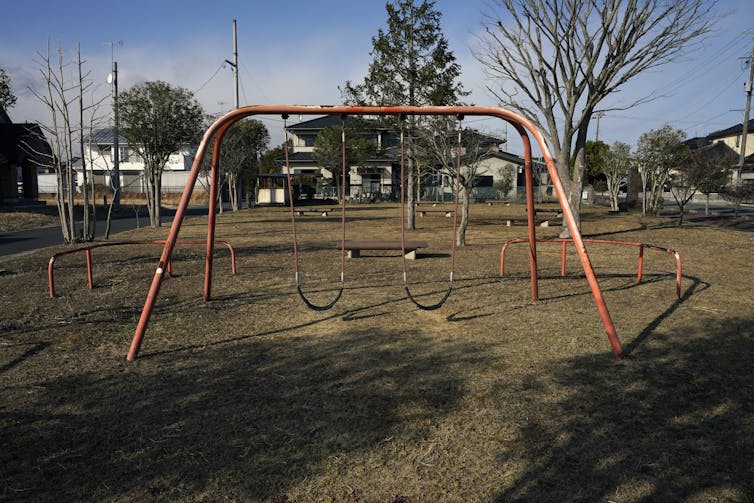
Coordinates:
[412,65]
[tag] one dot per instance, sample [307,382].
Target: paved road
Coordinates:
[33,239]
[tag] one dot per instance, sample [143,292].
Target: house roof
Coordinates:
[105,136]
[732,131]
[317,124]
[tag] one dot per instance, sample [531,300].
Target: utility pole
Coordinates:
[113,81]
[745,129]
[598,115]
[234,64]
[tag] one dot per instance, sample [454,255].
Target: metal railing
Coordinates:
[88,252]
[564,242]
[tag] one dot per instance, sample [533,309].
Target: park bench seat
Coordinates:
[514,219]
[303,211]
[490,202]
[354,247]
[423,212]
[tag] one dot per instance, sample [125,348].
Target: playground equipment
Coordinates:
[640,246]
[88,251]
[296,267]
[523,126]
[431,307]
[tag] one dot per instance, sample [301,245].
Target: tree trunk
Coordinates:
[70,191]
[461,231]
[410,200]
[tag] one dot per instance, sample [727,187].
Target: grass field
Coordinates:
[493,397]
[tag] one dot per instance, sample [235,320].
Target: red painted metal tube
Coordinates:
[530,217]
[641,246]
[212,213]
[522,125]
[89,268]
[89,279]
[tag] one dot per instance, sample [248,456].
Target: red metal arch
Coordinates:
[520,123]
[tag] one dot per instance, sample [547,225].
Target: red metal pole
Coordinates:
[586,264]
[89,279]
[530,214]
[50,276]
[212,215]
[167,251]
[640,268]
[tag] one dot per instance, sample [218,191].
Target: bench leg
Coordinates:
[508,223]
[353,253]
[410,254]
[421,214]
[546,223]
[324,213]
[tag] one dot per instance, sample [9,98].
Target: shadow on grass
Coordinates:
[674,424]
[245,421]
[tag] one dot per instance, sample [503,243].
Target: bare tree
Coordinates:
[63,97]
[440,141]
[557,61]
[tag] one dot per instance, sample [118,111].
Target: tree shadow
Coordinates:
[674,424]
[245,420]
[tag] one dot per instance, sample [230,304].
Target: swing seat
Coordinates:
[354,247]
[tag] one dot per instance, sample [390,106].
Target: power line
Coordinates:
[222,65]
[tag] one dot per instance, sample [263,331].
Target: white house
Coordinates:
[99,153]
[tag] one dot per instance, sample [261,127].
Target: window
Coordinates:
[308,140]
[484,181]
[124,154]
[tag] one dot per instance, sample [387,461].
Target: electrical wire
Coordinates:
[222,65]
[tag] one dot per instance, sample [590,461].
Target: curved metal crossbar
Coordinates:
[88,251]
[296,266]
[640,246]
[214,136]
[437,305]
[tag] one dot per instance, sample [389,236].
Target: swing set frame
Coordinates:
[523,126]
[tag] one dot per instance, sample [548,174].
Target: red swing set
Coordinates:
[217,131]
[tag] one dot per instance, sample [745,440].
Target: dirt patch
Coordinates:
[493,397]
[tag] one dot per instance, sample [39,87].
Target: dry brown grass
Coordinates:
[252,397]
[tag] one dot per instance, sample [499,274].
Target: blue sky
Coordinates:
[299,52]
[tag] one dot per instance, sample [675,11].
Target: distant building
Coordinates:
[23,149]
[732,137]
[99,152]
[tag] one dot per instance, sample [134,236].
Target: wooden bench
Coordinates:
[558,212]
[513,219]
[354,247]
[490,202]
[423,213]
[302,211]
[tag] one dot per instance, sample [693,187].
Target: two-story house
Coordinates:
[379,177]
[732,137]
